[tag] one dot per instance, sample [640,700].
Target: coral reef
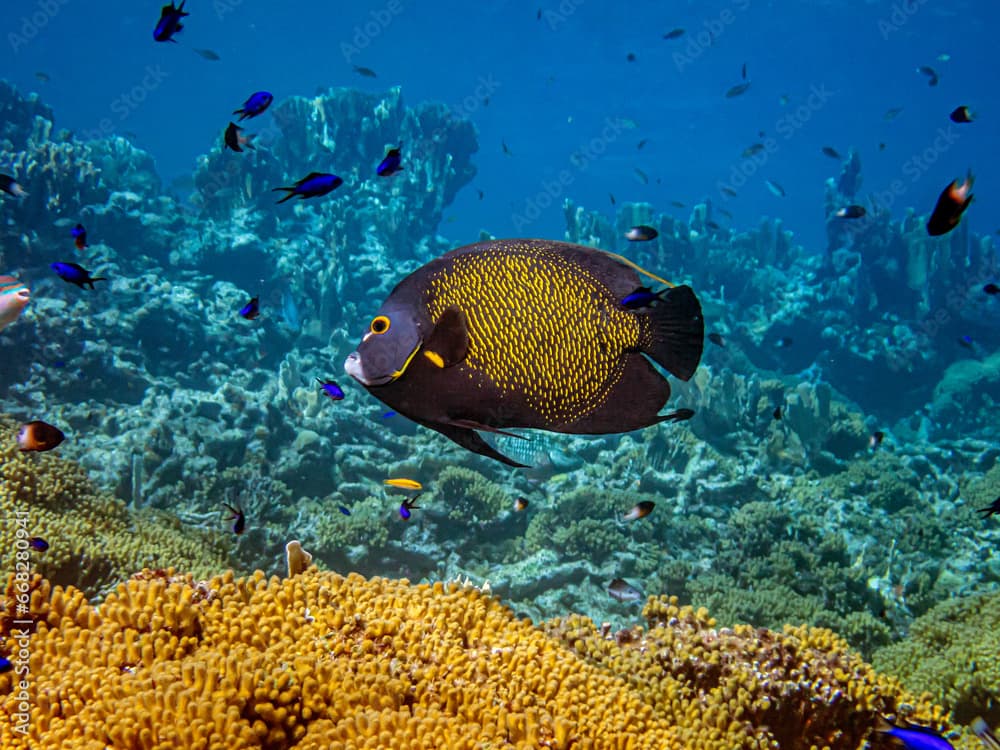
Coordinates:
[953,653]
[94,540]
[321,661]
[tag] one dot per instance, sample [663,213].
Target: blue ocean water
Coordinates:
[562,85]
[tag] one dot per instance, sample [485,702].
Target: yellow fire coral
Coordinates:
[322,662]
[94,540]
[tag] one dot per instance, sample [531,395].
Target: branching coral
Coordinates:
[321,661]
[953,653]
[94,539]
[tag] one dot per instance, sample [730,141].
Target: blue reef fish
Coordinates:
[391,164]
[5,665]
[408,505]
[254,105]
[251,309]
[331,389]
[951,204]
[990,289]
[79,234]
[313,185]
[238,516]
[11,186]
[440,349]
[388,415]
[170,22]
[364,72]
[967,342]
[14,297]
[344,509]
[38,544]
[73,273]
[38,436]
[641,297]
[913,737]
[234,140]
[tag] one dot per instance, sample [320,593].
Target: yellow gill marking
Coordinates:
[435,358]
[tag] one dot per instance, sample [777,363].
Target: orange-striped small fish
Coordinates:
[404,484]
[14,296]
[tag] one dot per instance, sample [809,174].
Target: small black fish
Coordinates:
[630,57]
[238,516]
[961,115]
[232,138]
[611,197]
[783,343]
[876,439]
[777,413]
[990,510]
[391,164]
[643,177]
[520,504]
[881,147]
[79,235]
[850,212]
[951,204]
[775,188]
[728,191]
[640,144]
[42,76]
[481,193]
[641,233]
[681,415]
[251,309]
[170,22]
[967,342]
[208,54]
[831,152]
[738,90]
[743,72]
[674,33]
[38,436]
[753,149]
[891,114]
[506,148]
[366,72]
[680,204]
[932,76]
[991,288]
[716,338]
[639,510]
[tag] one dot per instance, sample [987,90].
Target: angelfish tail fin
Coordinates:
[675,335]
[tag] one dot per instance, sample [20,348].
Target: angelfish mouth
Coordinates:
[354,368]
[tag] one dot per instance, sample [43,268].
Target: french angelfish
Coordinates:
[526,333]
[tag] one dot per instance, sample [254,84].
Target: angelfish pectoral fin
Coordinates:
[471,424]
[449,341]
[470,440]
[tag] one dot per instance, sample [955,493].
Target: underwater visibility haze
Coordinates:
[567,375]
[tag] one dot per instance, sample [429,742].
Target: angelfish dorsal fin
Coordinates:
[449,341]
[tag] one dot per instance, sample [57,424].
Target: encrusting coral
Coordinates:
[322,661]
[953,653]
[94,540]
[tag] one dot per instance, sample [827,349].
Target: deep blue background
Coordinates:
[559,79]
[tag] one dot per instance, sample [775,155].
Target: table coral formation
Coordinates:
[322,661]
[94,540]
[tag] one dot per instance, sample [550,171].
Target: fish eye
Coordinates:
[380,325]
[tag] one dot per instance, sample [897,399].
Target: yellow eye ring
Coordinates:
[380,325]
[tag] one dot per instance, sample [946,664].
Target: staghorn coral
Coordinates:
[322,661]
[95,541]
[952,653]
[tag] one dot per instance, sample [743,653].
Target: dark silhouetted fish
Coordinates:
[254,105]
[169,23]
[951,204]
[312,185]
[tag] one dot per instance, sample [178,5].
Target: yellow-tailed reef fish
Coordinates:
[527,333]
[14,296]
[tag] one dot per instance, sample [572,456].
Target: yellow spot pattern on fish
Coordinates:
[539,325]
